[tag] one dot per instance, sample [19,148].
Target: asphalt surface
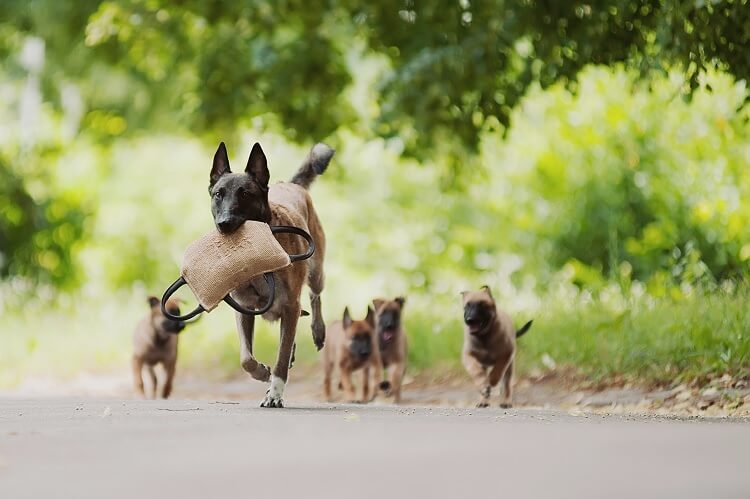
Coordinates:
[97,448]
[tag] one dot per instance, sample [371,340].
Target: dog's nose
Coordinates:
[224,226]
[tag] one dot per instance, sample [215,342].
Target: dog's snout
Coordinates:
[360,348]
[224,226]
[388,320]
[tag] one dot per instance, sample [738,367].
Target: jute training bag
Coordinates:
[217,264]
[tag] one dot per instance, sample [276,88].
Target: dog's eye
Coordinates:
[243,193]
[219,194]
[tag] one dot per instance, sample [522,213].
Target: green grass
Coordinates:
[609,338]
[645,340]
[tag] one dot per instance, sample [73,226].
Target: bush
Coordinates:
[632,181]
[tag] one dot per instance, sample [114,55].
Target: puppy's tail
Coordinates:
[525,328]
[315,164]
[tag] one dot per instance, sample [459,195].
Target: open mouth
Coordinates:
[388,335]
[474,326]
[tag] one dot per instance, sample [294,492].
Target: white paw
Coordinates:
[274,393]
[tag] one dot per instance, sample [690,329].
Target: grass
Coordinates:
[615,337]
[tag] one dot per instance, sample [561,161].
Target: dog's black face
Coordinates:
[359,334]
[239,197]
[388,317]
[360,346]
[159,321]
[478,314]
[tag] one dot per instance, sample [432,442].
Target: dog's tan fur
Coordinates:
[489,355]
[337,355]
[394,352]
[153,345]
[286,203]
[290,205]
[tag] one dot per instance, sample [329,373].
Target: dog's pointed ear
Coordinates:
[153,301]
[370,316]
[257,166]
[377,303]
[400,300]
[220,166]
[347,319]
[486,289]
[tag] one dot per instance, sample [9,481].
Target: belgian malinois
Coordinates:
[155,342]
[239,197]
[352,345]
[392,342]
[489,345]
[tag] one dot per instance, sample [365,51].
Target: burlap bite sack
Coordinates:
[217,264]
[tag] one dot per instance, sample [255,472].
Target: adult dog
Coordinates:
[239,197]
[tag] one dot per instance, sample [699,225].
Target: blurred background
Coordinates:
[587,160]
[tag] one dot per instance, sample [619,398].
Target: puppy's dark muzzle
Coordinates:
[360,349]
[474,319]
[173,326]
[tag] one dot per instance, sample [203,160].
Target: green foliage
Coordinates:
[499,156]
[459,68]
[37,233]
[636,182]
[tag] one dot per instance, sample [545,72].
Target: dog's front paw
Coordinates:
[506,405]
[482,404]
[274,394]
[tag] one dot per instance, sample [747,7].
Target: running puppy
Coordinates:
[239,197]
[392,343]
[351,346]
[489,345]
[155,342]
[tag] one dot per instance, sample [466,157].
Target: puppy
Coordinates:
[489,344]
[351,346]
[392,343]
[239,197]
[154,342]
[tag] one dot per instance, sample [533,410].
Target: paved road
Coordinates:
[109,448]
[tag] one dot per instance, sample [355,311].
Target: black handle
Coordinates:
[248,311]
[275,229]
[228,299]
[288,229]
[168,293]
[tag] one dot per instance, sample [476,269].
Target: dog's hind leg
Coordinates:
[246,331]
[137,366]
[169,368]
[316,281]
[397,377]
[508,387]
[152,375]
[327,371]
[275,393]
[366,385]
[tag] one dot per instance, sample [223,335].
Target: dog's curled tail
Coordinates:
[525,328]
[315,164]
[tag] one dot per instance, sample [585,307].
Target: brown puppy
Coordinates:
[239,197]
[155,342]
[489,344]
[350,346]
[392,343]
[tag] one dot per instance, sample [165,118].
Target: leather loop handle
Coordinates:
[288,229]
[168,293]
[248,311]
